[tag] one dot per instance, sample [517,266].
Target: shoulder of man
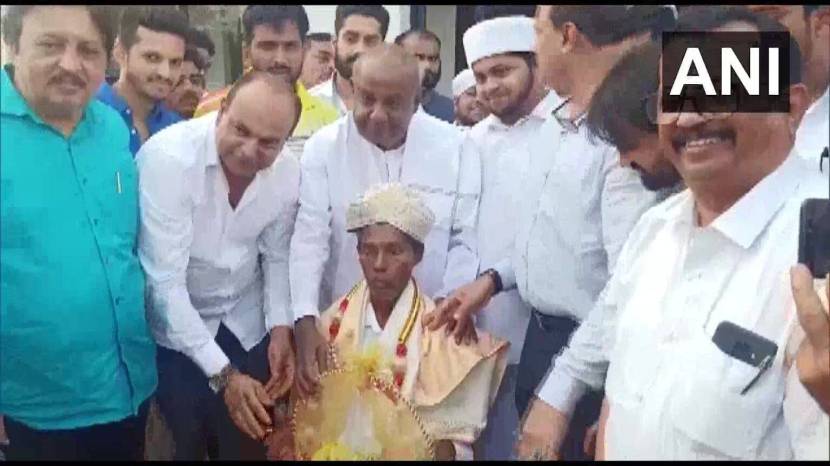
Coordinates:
[321,144]
[109,124]
[178,145]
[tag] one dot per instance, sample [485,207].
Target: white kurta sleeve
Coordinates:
[624,200]
[462,256]
[164,251]
[312,230]
[274,243]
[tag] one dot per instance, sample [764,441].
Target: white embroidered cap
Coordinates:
[463,81]
[395,204]
[499,35]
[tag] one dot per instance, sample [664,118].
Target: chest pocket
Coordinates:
[707,406]
[116,195]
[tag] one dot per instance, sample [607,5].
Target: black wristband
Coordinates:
[497,285]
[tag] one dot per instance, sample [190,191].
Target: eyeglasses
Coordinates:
[656,115]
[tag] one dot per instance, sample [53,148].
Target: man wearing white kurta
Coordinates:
[383,140]
[218,203]
[504,67]
[672,394]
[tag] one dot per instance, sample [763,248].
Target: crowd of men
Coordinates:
[170,246]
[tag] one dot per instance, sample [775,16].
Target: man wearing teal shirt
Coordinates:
[77,364]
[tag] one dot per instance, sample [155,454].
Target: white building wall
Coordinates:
[321,19]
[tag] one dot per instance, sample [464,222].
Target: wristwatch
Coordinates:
[218,382]
[497,285]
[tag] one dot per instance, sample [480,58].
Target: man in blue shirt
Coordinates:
[425,46]
[149,51]
[77,363]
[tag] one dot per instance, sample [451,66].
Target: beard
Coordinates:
[141,85]
[430,80]
[514,106]
[344,65]
[665,179]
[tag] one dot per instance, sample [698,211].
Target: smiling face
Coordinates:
[387,257]
[252,130]
[468,108]
[386,93]
[60,60]
[503,83]
[152,65]
[730,153]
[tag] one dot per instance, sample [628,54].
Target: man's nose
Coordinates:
[380,262]
[70,60]
[164,69]
[689,119]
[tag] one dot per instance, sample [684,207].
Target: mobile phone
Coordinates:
[814,236]
[743,345]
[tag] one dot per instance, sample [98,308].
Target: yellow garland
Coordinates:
[336,451]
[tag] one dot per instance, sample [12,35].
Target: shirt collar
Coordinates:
[744,222]
[540,112]
[108,95]
[12,102]
[569,124]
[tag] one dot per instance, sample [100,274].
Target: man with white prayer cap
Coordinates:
[468,109]
[383,139]
[507,81]
[579,203]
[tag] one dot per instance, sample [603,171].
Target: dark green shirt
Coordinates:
[75,349]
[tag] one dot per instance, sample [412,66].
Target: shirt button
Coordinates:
[83,181]
[95,221]
[132,132]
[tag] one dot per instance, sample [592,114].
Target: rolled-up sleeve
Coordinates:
[462,255]
[164,244]
[310,247]
[274,243]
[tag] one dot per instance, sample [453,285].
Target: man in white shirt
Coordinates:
[357,29]
[383,140]
[810,27]
[500,51]
[218,204]
[468,109]
[580,203]
[719,251]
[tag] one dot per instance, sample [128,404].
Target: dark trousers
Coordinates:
[198,419]
[115,441]
[546,337]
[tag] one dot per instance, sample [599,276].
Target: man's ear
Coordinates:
[570,36]
[119,53]
[799,102]
[246,57]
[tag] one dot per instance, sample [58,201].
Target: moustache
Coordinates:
[279,69]
[159,79]
[68,78]
[705,131]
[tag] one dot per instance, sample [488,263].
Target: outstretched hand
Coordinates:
[456,312]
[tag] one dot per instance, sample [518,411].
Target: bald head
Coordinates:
[388,62]
[386,89]
[254,122]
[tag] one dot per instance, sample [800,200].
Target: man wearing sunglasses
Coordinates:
[718,252]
